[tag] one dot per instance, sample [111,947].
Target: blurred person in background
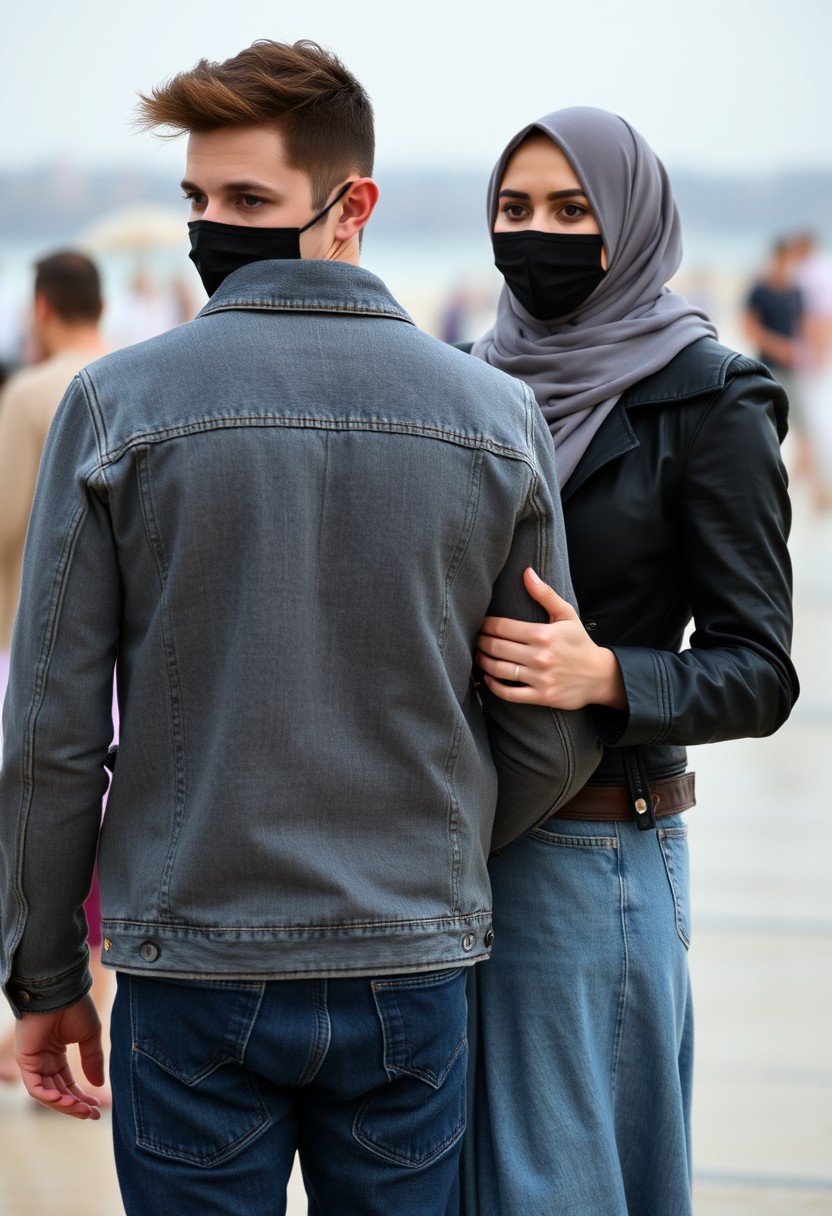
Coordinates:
[814,278]
[143,311]
[288,520]
[65,325]
[773,322]
[676,507]
[11,327]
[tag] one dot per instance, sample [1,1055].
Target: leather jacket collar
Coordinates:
[701,368]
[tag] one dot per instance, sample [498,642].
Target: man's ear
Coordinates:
[356,207]
[42,310]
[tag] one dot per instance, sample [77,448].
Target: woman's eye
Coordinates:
[514,211]
[574,211]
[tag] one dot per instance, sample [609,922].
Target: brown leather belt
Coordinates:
[607,802]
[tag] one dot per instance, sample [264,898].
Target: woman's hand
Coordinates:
[556,664]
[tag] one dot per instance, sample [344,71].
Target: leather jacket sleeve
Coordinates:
[736,678]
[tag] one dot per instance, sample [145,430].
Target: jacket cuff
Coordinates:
[48,996]
[649,713]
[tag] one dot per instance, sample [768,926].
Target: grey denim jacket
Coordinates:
[284,522]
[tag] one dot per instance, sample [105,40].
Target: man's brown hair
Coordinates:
[321,111]
[70,283]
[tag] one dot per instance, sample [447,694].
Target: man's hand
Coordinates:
[40,1050]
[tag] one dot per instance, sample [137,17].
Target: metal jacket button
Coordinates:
[468,941]
[489,938]
[149,951]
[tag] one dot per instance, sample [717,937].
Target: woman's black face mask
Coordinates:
[550,273]
[217,249]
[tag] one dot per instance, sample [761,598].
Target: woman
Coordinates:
[676,506]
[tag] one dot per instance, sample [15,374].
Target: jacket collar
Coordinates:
[305,285]
[700,368]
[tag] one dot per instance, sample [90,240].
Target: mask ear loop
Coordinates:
[328,207]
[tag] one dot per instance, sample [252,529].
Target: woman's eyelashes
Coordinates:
[562,214]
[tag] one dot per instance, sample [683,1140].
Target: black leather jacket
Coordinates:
[678,510]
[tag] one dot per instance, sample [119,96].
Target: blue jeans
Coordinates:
[217,1084]
[581,1028]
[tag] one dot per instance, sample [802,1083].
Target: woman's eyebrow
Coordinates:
[552,197]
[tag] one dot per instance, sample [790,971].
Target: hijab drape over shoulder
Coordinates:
[632,324]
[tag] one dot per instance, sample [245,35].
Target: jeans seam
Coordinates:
[622,995]
[665,834]
[323,1034]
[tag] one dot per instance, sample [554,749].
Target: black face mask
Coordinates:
[550,273]
[217,249]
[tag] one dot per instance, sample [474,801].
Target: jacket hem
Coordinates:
[293,952]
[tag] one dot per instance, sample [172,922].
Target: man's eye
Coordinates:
[251,200]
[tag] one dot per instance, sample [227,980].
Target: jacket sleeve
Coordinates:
[57,722]
[736,679]
[543,756]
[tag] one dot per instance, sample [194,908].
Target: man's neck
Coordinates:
[85,339]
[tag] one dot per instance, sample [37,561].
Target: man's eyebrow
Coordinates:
[552,197]
[230,187]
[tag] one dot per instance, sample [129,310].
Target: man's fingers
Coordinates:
[92,1061]
[53,1092]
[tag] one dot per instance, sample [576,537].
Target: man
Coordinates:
[814,277]
[288,520]
[65,326]
[66,312]
[773,321]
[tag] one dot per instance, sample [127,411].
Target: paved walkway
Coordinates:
[761,957]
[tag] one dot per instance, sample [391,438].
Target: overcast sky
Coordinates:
[712,84]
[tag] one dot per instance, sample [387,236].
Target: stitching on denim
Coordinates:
[674,834]
[573,842]
[389,1154]
[319,1046]
[175,701]
[99,421]
[457,558]
[172,929]
[306,306]
[621,1014]
[461,548]
[41,671]
[430,979]
[222,1154]
[453,816]
[167,1150]
[312,422]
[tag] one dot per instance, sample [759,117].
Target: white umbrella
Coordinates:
[137,230]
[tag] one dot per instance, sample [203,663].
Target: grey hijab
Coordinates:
[632,324]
